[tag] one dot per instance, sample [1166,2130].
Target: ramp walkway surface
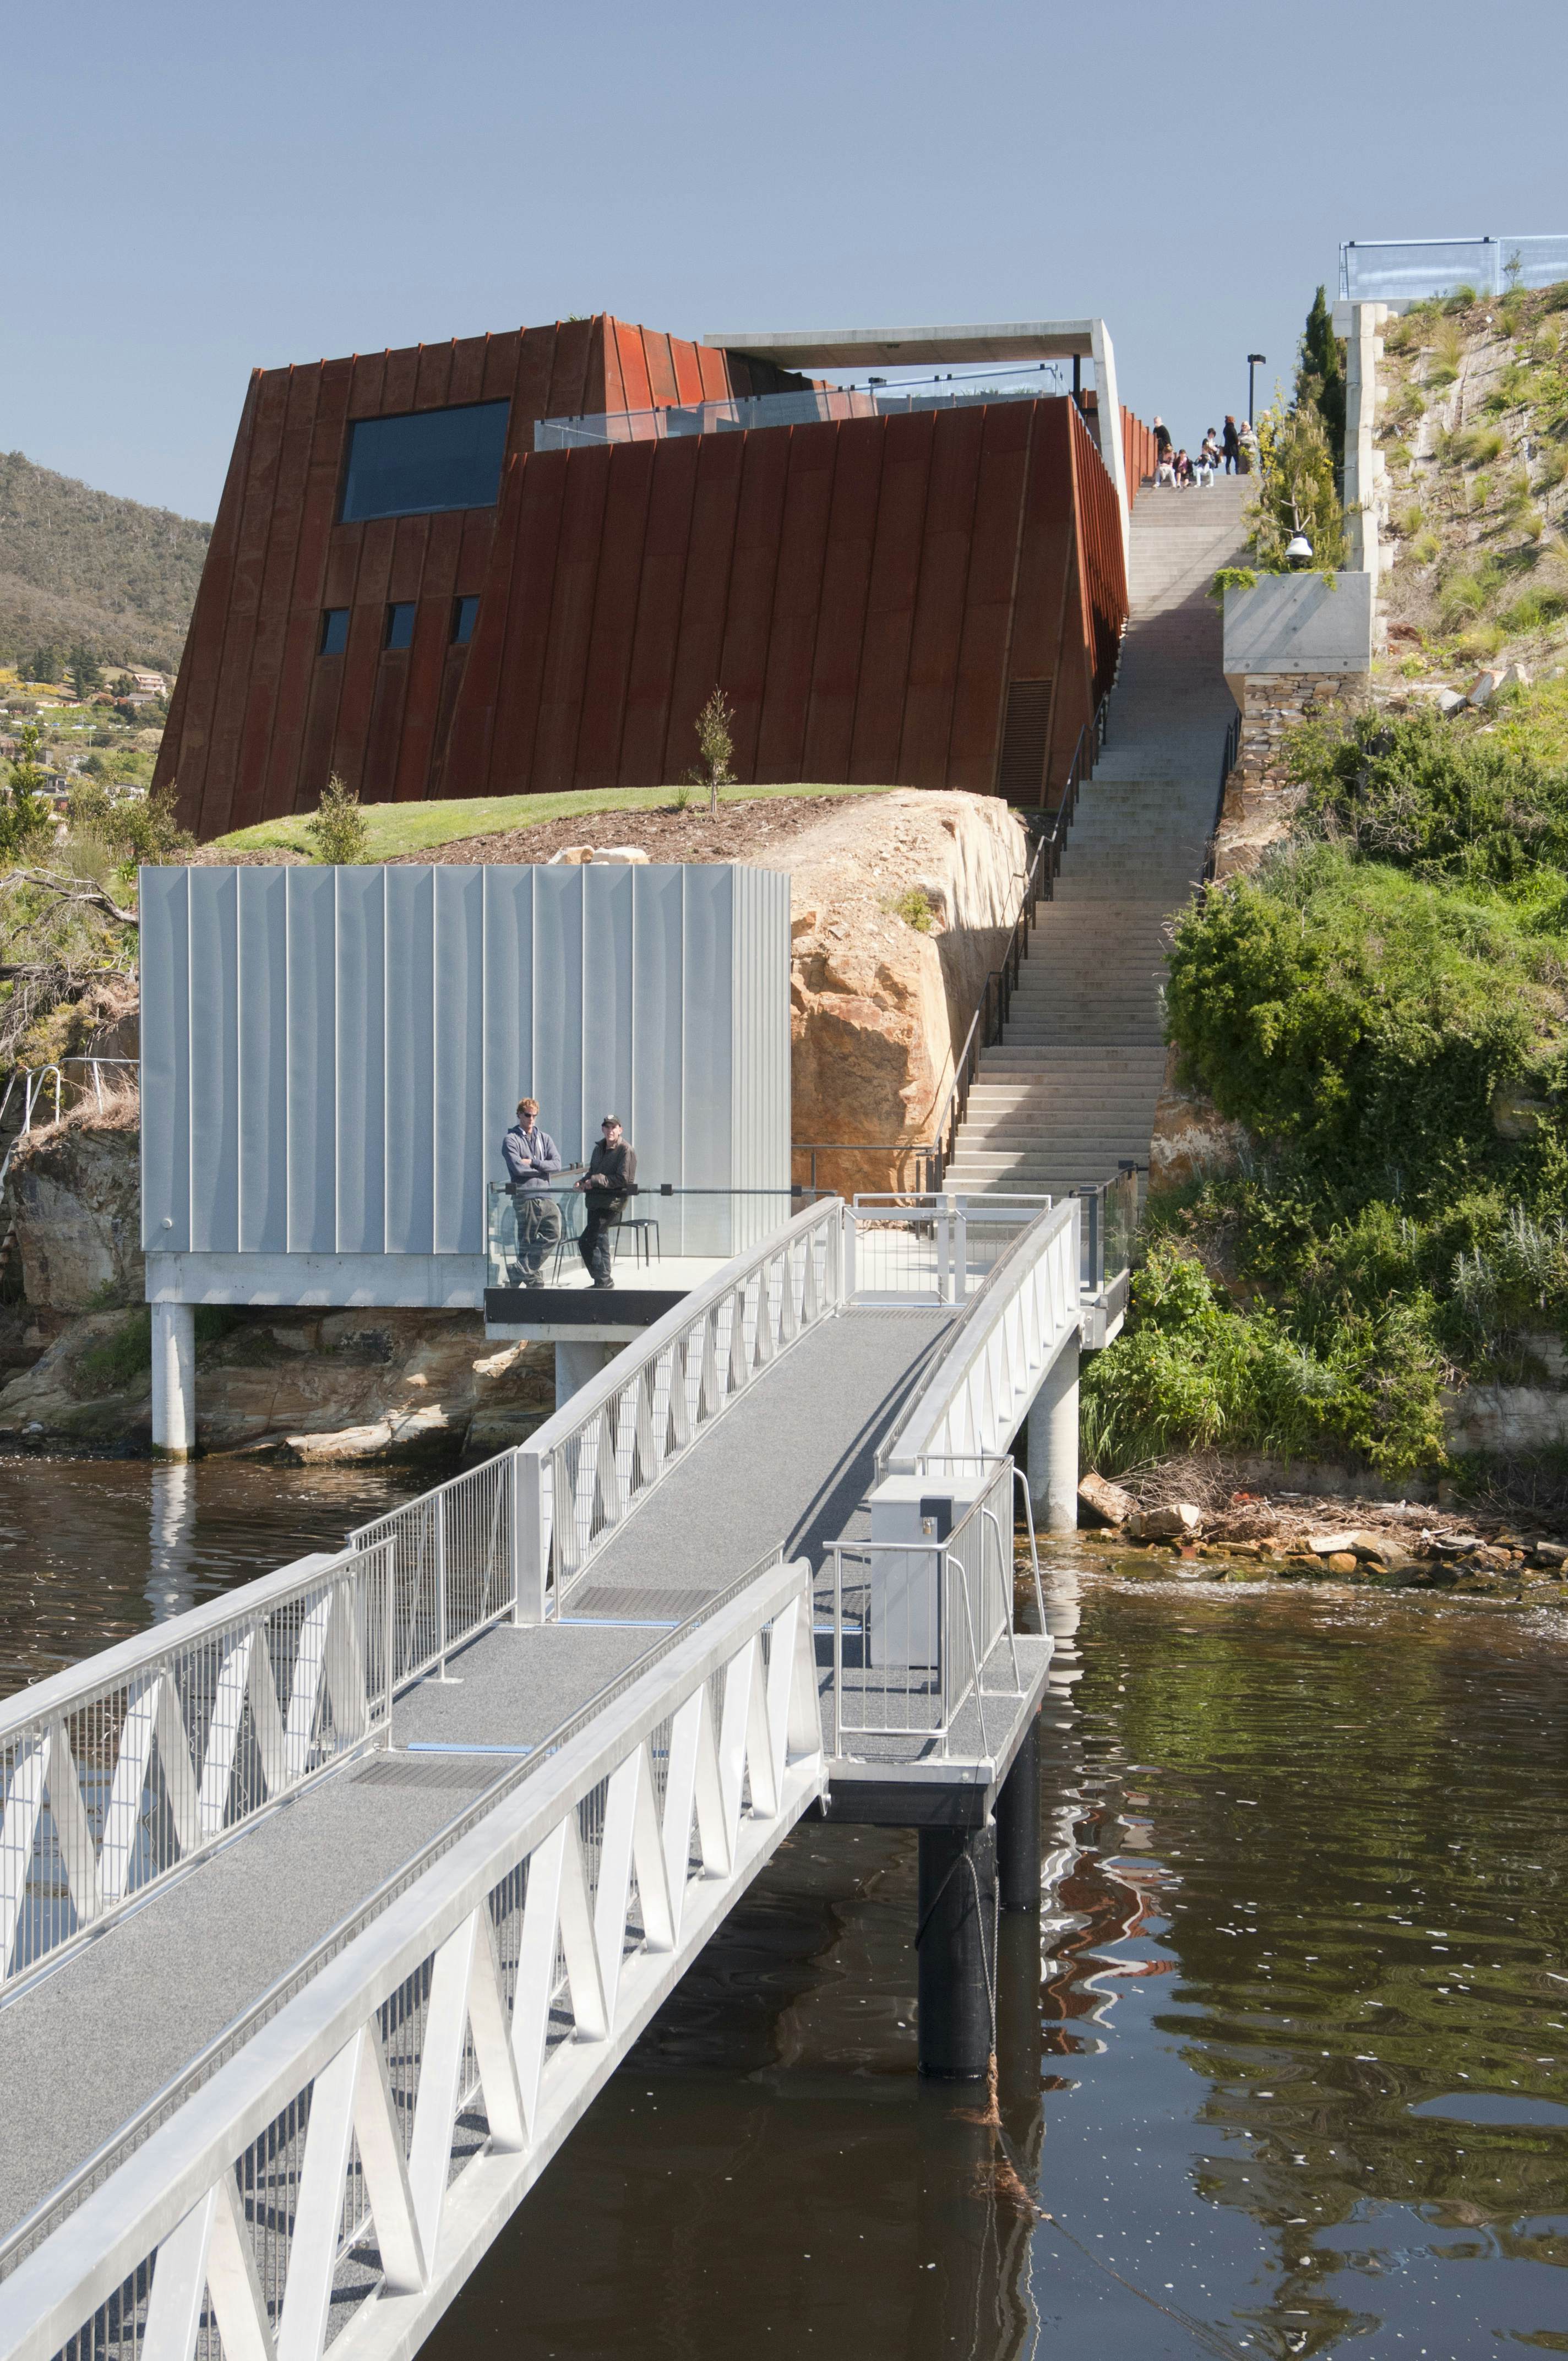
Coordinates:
[87,2047]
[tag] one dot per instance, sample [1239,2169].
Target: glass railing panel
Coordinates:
[662,1238]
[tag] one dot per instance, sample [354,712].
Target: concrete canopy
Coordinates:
[850,348]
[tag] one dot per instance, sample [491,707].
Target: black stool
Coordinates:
[641,1242]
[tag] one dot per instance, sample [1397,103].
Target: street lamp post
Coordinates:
[1254,361]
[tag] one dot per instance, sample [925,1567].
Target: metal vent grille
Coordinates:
[1022,773]
[467,1772]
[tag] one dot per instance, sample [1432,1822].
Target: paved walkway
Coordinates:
[83,2051]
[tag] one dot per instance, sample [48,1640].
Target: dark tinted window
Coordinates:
[463,612]
[334,631]
[401,624]
[431,459]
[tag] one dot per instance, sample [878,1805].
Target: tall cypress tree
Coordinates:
[1319,373]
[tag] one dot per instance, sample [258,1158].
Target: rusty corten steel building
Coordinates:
[403,590]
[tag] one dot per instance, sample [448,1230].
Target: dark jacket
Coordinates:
[1230,442]
[533,1158]
[1162,440]
[618,1166]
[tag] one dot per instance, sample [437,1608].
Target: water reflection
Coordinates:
[1307,1862]
[93,1551]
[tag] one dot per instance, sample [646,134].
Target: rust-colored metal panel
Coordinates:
[656,629]
[277,598]
[506,663]
[183,755]
[362,657]
[510,360]
[306,601]
[469,356]
[614,373]
[688,370]
[596,762]
[705,603]
[753,571]
[846,578]
[890,600]
[576,343]
[661,363]
[368,384]
[797,604]
[975,736]
[245,586]
[401,377]
[426,661]
[571,615]
[714,371]
[939,604]
[636,393]
[432,378]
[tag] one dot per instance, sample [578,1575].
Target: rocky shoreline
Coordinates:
[1393,1544]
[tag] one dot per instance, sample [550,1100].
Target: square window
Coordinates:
[401,624]
[334,631]
[463,612]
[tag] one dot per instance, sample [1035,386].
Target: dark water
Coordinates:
[1283,2055]
[94,1551]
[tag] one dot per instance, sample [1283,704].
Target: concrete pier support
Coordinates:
[174,1379]
[1018,1827]
[575,1364]
[957,1970]
[1053,1445]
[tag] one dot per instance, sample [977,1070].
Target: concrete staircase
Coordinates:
[1072,1088]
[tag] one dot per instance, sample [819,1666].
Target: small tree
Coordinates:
[86,674]
[45,663]
[716,746]
[1296,488]
[23,815]
[1319,373]
[342,835]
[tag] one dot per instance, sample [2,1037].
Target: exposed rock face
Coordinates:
[76,1194]
[878,1005]
[1190,1138]
[351,1385]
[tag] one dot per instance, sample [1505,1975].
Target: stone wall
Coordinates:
[1259,800]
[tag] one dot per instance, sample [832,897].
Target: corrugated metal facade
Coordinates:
[331,1055]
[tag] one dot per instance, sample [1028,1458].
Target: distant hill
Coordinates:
[81,569]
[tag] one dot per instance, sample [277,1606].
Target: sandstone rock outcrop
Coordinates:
[75,1190]
[1190,1139]
[902,906]
[353,1385]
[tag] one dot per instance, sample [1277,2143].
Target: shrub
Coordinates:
[1426,548]
[1534,610]
[1233,577]
[1551,467]
[915,908]
[339,829]
[1478,446]
[1408,522]
[1360,1018]
[716,743]
[1296,491]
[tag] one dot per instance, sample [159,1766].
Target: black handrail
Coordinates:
[1228,763]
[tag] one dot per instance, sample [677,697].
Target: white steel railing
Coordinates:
[919,1628]
[968,1406]
[581,1473]
[936,1248]
[121,1771]
[343,2174]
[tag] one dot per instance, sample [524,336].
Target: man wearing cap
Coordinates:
[609,1182]
[532,1162]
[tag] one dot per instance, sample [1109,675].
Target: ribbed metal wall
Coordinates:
[331,1055]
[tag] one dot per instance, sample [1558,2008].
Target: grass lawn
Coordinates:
[413,828]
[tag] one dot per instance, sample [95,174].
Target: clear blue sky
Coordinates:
[192,190]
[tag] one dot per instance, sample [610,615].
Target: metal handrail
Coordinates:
[1227,765]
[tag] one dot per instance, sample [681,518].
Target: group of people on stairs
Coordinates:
[1233,452]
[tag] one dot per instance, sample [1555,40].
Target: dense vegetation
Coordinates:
[1385,1009]
[82,569]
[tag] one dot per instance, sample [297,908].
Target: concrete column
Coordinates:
[1018,1827]
[957,1966]
[174,1379]
[575,1364]
[1363,460]
[1053,1445]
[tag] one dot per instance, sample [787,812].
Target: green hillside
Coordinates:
[78,568]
